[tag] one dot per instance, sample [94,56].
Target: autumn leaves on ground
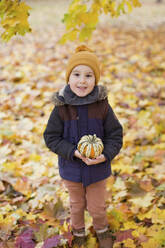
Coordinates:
[34,206]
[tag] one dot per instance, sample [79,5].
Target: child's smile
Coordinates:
[82,80]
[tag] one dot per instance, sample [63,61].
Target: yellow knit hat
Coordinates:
[83,56]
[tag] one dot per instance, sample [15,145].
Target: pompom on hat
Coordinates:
[83,56]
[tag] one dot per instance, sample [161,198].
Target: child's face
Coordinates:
[82,80]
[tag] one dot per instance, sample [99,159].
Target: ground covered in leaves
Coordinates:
[34,206]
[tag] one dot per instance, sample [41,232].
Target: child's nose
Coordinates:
[82,79]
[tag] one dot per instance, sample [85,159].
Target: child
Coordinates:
[81,108]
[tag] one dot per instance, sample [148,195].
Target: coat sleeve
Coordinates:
[113,135]
[53,136]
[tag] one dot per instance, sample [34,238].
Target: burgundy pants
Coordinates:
[91,198]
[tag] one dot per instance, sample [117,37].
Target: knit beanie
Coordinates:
[83,56]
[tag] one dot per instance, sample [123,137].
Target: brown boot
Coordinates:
[79,238]
[105,239]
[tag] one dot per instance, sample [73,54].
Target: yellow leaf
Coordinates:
[119,195]
[115,218]
[72,35]
[92,18]
[66,226]
[160,146]
[13,167]
[146,185]
[18,213]
[73,5]
[163,137]
[88,219]
[31,216]
[7,223]
[136,3]
[84,17]
[129,225]
[129,137]
[15,20]
[23,186]
[35,157]
[95,6]
[151,243]
[120,8]
[129,243]
[143,201]
[148,215]
[111,99]
[119,184]
[8,22]
[91,242]
[129,6]
[139,230]
[144,118]
[110,182]
[123,167]
[158,216]
[160,81]
[112,7]
[85,33]
[1,218]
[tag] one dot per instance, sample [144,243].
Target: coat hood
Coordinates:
[66,96]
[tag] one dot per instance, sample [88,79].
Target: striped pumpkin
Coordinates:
[90,146]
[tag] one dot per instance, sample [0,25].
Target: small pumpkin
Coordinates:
[90,146]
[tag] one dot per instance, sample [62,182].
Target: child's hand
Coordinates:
[90,161]
[97,160]
[78,154]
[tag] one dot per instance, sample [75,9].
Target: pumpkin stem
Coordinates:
[93,138]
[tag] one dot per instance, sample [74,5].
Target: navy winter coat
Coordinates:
[74,117]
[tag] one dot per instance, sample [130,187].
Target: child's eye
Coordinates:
[76,74]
